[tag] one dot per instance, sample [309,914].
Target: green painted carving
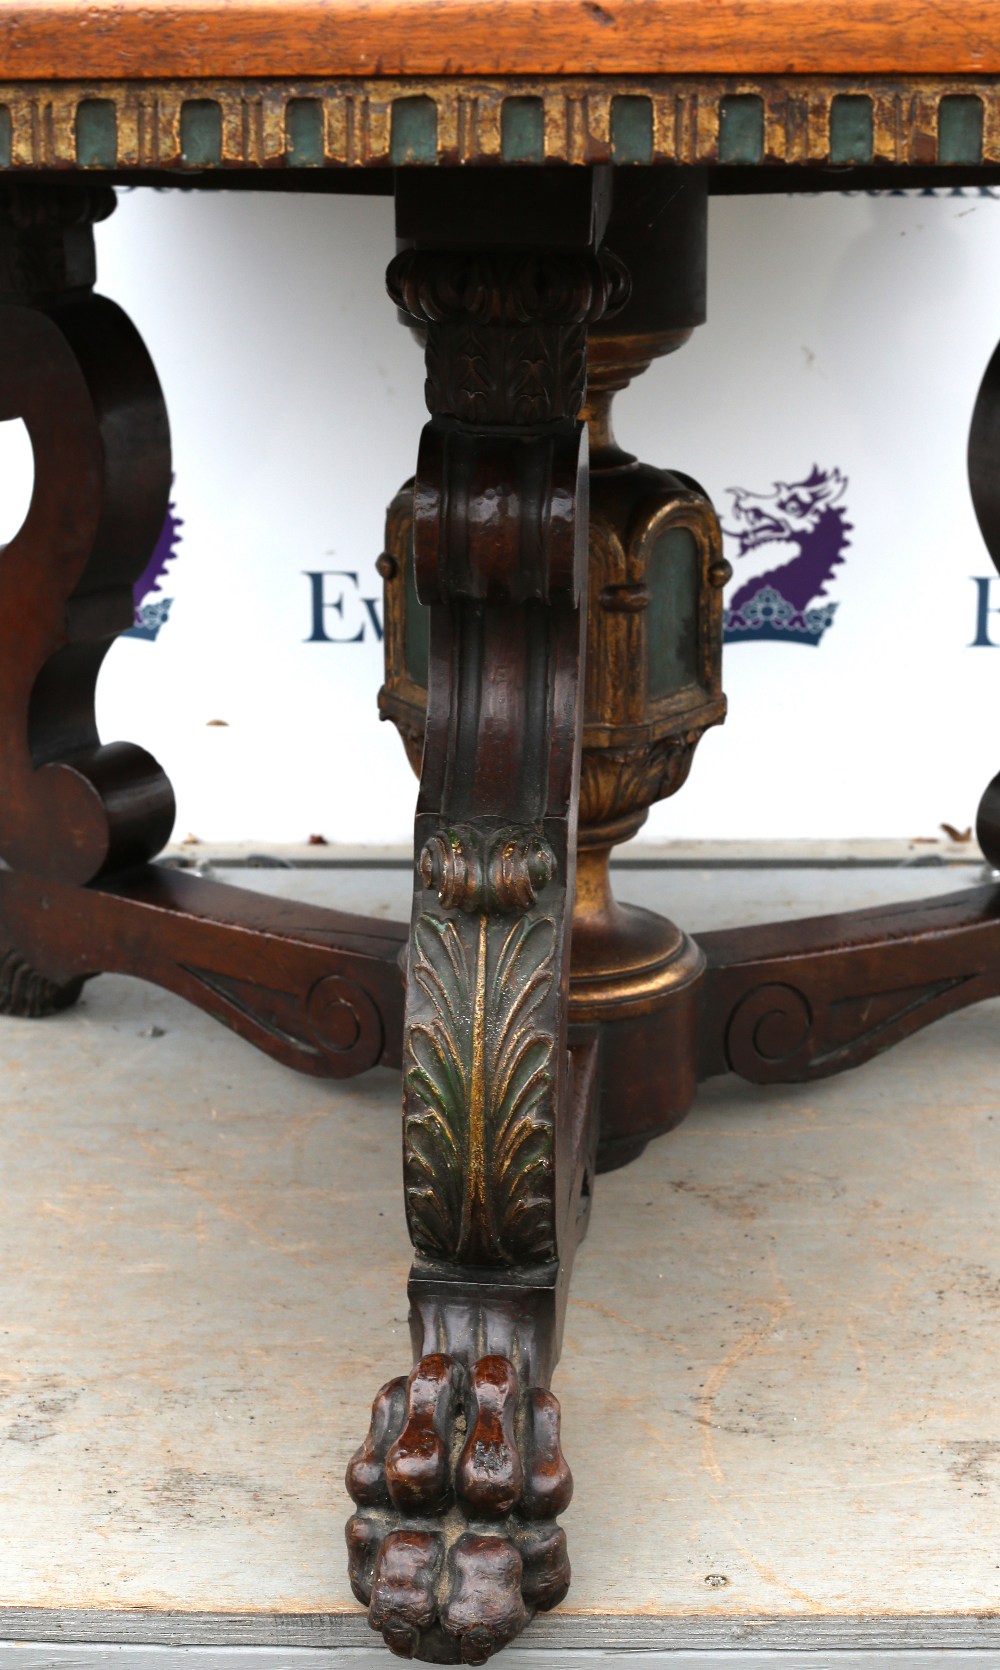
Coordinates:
[522,130]
[960,129]
[632,129]
[851,128]
[414,131]
[304,131]
[201,133]
[478,1136]
[96,134]
[741,128]
[6,137]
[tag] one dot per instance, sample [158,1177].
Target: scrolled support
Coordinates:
[75,370]
[454,1544]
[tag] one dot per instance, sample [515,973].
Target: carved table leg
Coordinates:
[73,368]
[458,1485]
[653,679]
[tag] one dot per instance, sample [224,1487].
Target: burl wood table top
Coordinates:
[154,86]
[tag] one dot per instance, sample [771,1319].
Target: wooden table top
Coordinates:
[112,39]
[154,86]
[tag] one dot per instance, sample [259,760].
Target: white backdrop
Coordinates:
[844,331]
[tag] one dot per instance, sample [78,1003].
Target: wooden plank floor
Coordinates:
[784,1420]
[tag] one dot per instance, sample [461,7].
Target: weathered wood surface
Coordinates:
[110,39]
[111,1656]
[801,1283]
[614,1656]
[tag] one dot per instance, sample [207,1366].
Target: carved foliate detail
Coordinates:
[478,1129]
[497,873]
[506,332]
[458,1485]
[617,782]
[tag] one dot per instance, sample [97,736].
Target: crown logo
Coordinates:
[800,531]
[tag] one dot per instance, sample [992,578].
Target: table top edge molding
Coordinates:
[308,124]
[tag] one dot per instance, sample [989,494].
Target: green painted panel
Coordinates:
[960,128]
[304,129]
[522,130]
[741,128]
[672,578]
[96,134]
[416,637]
[201,133]
[6,137]
[632,129]
[414,131]
[851,134]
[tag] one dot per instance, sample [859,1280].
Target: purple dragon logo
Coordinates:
[151,611]
[796,536]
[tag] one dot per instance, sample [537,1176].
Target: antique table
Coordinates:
[553,636]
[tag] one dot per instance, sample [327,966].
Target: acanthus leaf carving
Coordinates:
[478,1128]
[506,331]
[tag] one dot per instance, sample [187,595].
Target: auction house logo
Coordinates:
[794,539]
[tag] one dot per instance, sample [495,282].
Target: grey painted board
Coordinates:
[18,1656]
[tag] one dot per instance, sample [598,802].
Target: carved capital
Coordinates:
[46,236]
[496,287]
[506,332]
[497,874]
[30,207]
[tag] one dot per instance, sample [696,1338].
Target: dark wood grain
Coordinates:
[319,990]
[246,38]
[74,369]
[793,1001]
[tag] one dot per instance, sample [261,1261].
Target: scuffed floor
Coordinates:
[781,1380]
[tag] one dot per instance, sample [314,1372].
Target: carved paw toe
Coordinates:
[458,1484]
[29,995]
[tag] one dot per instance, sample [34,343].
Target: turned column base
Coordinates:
[639,978]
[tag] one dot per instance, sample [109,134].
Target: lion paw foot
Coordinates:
[29,995]
[454,1545]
